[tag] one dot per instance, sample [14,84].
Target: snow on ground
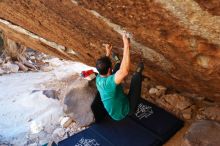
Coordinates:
[24,112]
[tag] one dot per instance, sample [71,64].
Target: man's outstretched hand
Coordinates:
[126,40]
[108,49]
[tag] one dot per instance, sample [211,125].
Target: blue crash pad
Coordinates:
[148,126]
[85,138]
[125,133]
[157,120]
[112,133]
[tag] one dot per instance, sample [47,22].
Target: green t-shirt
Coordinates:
[115,101]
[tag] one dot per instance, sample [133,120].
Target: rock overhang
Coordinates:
[179,41]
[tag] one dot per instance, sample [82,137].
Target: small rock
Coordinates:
[46,68]
[32,57]
[10,67]
[202,133]
[178,101]
[157,92]
[187,114]
[164,104]
[36,127]
[7,58]
[153,92]
[65,121]
[1,61]
[200,117]
[203,61]
[200,98]
[212,112]
[51,94]
[201,109]
[161,89]
[55,62]
[193,107]
[2,71]
[59,132]
[29,120]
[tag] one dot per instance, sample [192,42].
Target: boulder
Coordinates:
[78,100]
[21,66]
[202,133]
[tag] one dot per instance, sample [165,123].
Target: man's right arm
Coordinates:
[125,63]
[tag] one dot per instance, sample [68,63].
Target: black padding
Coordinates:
[157,120]
[85,138]
[125,133]
[149,126]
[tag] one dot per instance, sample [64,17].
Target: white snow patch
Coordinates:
[24,112]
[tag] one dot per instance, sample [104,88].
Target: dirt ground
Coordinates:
[178,137]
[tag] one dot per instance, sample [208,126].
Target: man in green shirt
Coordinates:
[117,104]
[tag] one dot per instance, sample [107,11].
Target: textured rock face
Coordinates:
[213,6]
[179,40]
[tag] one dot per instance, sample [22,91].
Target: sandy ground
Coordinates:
[27,117]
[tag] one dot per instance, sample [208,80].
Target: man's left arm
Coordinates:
[108,49]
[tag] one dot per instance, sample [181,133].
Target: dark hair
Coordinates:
[103,64]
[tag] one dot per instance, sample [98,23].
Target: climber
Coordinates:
[117,104]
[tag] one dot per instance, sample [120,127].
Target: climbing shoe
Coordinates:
[140,67]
